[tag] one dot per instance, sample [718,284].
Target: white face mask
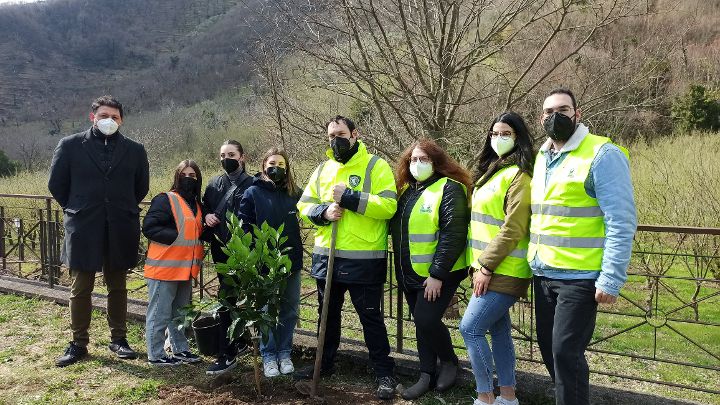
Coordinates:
[502,144]
[421,171]
[107,126]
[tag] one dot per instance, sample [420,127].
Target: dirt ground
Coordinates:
[239,392]
[346,387]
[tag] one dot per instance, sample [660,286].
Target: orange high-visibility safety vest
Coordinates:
[182,259]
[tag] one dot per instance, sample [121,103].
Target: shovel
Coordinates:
[311,388]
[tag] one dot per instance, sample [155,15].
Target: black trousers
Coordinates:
[433,337]
[366,299]
[566,312]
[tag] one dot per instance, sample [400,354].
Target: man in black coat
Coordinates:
[99,177]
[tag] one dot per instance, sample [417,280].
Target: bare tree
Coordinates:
[30,154]
[425,66]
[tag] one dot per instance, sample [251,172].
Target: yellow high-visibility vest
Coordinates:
[361,234]
[424,229]
[486,219]
[567,228]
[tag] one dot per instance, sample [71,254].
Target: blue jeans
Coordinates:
[280,338]
[490,312]
[164,300]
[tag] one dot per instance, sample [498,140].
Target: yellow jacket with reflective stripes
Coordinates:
[486,219]
[424,229]
[567,228]
[362,234]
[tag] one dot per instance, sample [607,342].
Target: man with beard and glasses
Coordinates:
[581,231]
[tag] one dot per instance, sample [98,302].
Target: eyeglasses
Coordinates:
[494,134]
[565,109]
[421,159]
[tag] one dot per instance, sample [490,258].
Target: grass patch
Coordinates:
[144,391]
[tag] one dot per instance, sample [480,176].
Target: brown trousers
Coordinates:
[81,290]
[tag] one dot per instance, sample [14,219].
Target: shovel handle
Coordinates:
[324,315]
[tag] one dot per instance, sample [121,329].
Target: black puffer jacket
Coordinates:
[454,219]
[159,223]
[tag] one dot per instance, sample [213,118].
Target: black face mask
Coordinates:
[341,149]
[276,174]
[559,127]
[187,186]
[230,165]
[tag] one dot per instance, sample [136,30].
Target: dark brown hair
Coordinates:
[290,187]
[443,164]
[565,91]
[340,119]
[178,175]
[107,101]
[235,144]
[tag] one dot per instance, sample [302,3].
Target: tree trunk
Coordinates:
[256,364]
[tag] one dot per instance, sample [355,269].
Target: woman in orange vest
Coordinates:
[173,226]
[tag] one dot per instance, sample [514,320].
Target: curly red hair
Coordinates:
[443,164]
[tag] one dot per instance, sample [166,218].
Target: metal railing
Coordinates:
[664,329]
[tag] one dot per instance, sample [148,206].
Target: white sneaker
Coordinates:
[503,401]
[479,402]
[271,369]
[286,366]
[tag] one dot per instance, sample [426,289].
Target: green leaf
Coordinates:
[231,330]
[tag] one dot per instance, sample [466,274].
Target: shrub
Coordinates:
[7,167]
[699,108]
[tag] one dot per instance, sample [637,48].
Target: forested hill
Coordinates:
[57,55]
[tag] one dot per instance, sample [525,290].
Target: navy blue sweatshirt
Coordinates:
[264,202]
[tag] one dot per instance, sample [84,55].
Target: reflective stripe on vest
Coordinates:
[487,218]
[424,229]
[567,225]
[181,260]
[351,254]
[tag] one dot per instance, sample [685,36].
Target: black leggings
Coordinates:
[433,337]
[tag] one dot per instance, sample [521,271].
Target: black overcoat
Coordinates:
[101,213]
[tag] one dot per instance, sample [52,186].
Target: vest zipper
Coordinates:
[402,218]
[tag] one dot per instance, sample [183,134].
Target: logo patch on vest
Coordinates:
[354,180]
[426,208]
[571,173]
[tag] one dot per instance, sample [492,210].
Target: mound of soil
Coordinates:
[239,389]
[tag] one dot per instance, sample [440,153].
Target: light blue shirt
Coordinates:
[609,182]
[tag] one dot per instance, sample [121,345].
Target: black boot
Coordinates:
[421,387]
[73,353]
[446,377]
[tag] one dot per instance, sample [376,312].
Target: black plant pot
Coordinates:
[206,334]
